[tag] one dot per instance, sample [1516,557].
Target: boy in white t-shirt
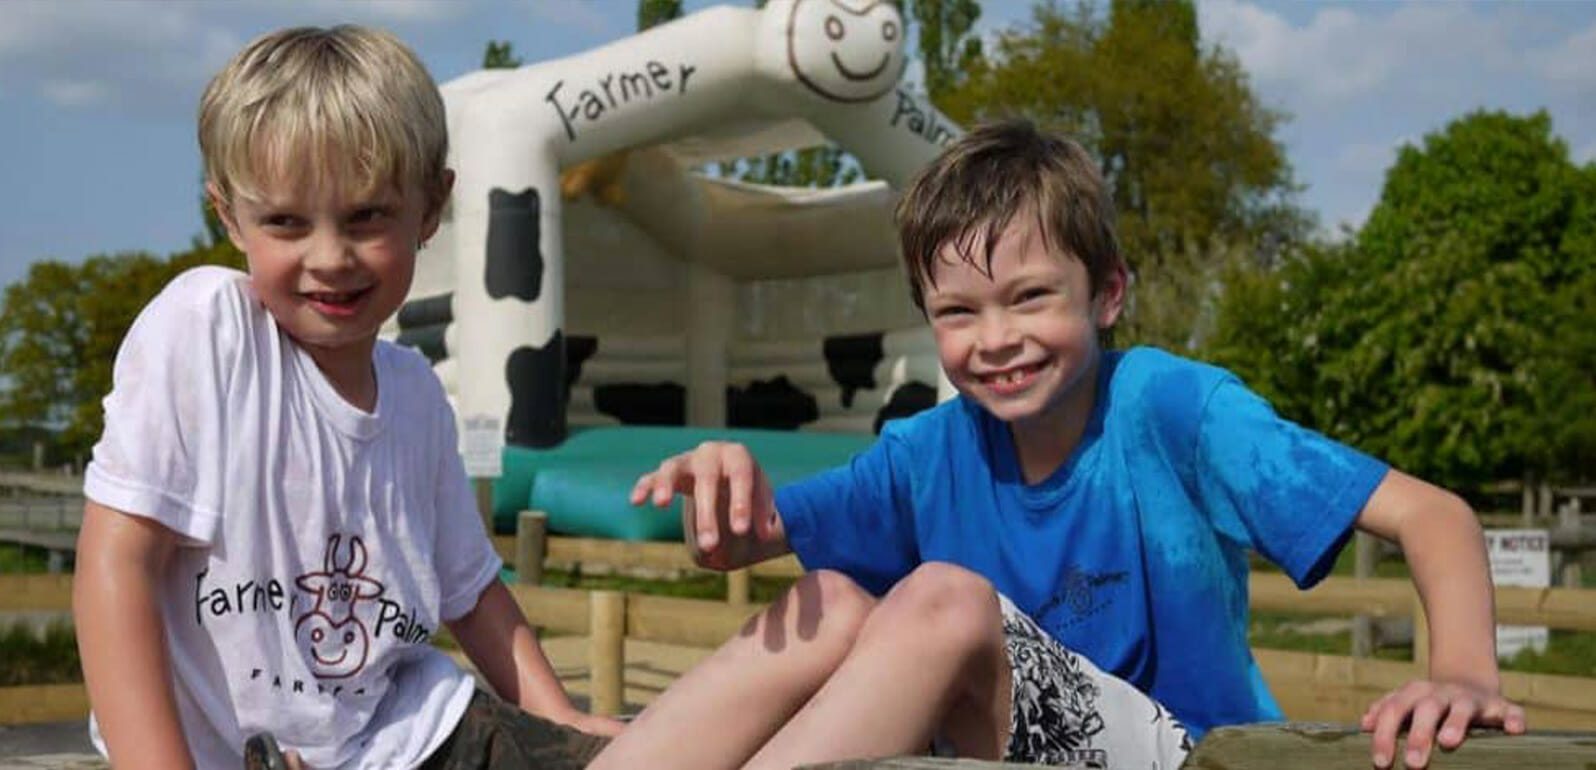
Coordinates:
[278,522]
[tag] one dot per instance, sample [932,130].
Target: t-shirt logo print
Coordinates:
[336,640]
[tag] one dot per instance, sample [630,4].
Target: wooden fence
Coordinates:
[1308,685]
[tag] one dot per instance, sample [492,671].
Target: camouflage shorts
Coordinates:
[494,734]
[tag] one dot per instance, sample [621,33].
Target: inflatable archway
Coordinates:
[725,82]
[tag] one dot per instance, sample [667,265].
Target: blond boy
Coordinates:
[278,523]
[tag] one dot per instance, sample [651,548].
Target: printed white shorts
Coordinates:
[1066,711]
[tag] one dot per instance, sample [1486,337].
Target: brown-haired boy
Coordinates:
[1073,506]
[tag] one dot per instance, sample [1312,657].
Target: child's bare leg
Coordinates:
[930,658]
[719,713]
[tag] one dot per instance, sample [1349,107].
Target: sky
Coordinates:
[97,97]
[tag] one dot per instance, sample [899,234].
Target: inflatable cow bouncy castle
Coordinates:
[593,269]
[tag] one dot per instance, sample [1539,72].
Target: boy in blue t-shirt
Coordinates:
[1074,511]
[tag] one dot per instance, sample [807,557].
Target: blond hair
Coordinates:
[970,193]
[347,105]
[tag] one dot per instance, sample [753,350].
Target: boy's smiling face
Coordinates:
[1023,341]
[330,265]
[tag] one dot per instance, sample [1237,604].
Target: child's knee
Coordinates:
[838,604]
[823,608]
[957,604]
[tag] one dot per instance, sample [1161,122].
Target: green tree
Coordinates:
[946,39]
[1455,335]
[651,13]
[500,55]
[1200,183]
[60,328]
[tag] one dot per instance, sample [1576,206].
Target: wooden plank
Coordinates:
[1570,609]
[1321,747]
[54,540]
[647,555]
[559,610]
[48,483]
[931,763]
[32,704]
[31,593]
[1318,687]
[1272,592]
[693,622]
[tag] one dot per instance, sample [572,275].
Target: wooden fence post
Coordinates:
[531,544]
[1568,519]
[607,651]
[737,587]
[1528,500]
[1366,552]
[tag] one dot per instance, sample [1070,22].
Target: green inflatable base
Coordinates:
[583,484]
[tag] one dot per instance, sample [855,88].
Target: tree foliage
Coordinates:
[1189,151]
[500,55]
[60,328]
[948,44]
[1455,335]
[652,13]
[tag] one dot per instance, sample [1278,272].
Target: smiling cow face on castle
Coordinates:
[846,50]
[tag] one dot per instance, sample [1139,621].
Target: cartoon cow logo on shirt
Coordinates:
[846,50]
[336,640]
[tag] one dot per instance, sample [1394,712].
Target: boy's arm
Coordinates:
[497,639]
[1445,550]
[121,559]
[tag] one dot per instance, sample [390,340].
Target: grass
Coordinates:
[19,559]
[27,657]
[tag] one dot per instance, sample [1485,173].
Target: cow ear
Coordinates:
[315,582]
[366,588]
[357,557]
[328,558]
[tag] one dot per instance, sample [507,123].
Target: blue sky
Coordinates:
[97,96]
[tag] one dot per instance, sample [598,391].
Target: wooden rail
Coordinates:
[1321,686]
[1310,747]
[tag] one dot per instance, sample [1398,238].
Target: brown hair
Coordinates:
[970,193]
[348,104]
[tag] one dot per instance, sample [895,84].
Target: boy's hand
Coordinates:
[732,510]
[1436,713]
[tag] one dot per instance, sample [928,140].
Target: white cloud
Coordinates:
[1367,159]
[83,54]
[1571,62]
[573,13]
[1344,53]
[74,93]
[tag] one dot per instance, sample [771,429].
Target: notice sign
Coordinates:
[1519,557]
[482,446]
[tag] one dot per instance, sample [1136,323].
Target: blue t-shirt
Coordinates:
[1134,552]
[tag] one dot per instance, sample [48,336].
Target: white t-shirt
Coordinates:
[322,545]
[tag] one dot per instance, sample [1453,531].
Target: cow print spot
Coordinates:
[770,404]
[578,349]
[515,264]
[437,310]
[663,403]
[427,339]
[851,360]
[537,394]
[909,398]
